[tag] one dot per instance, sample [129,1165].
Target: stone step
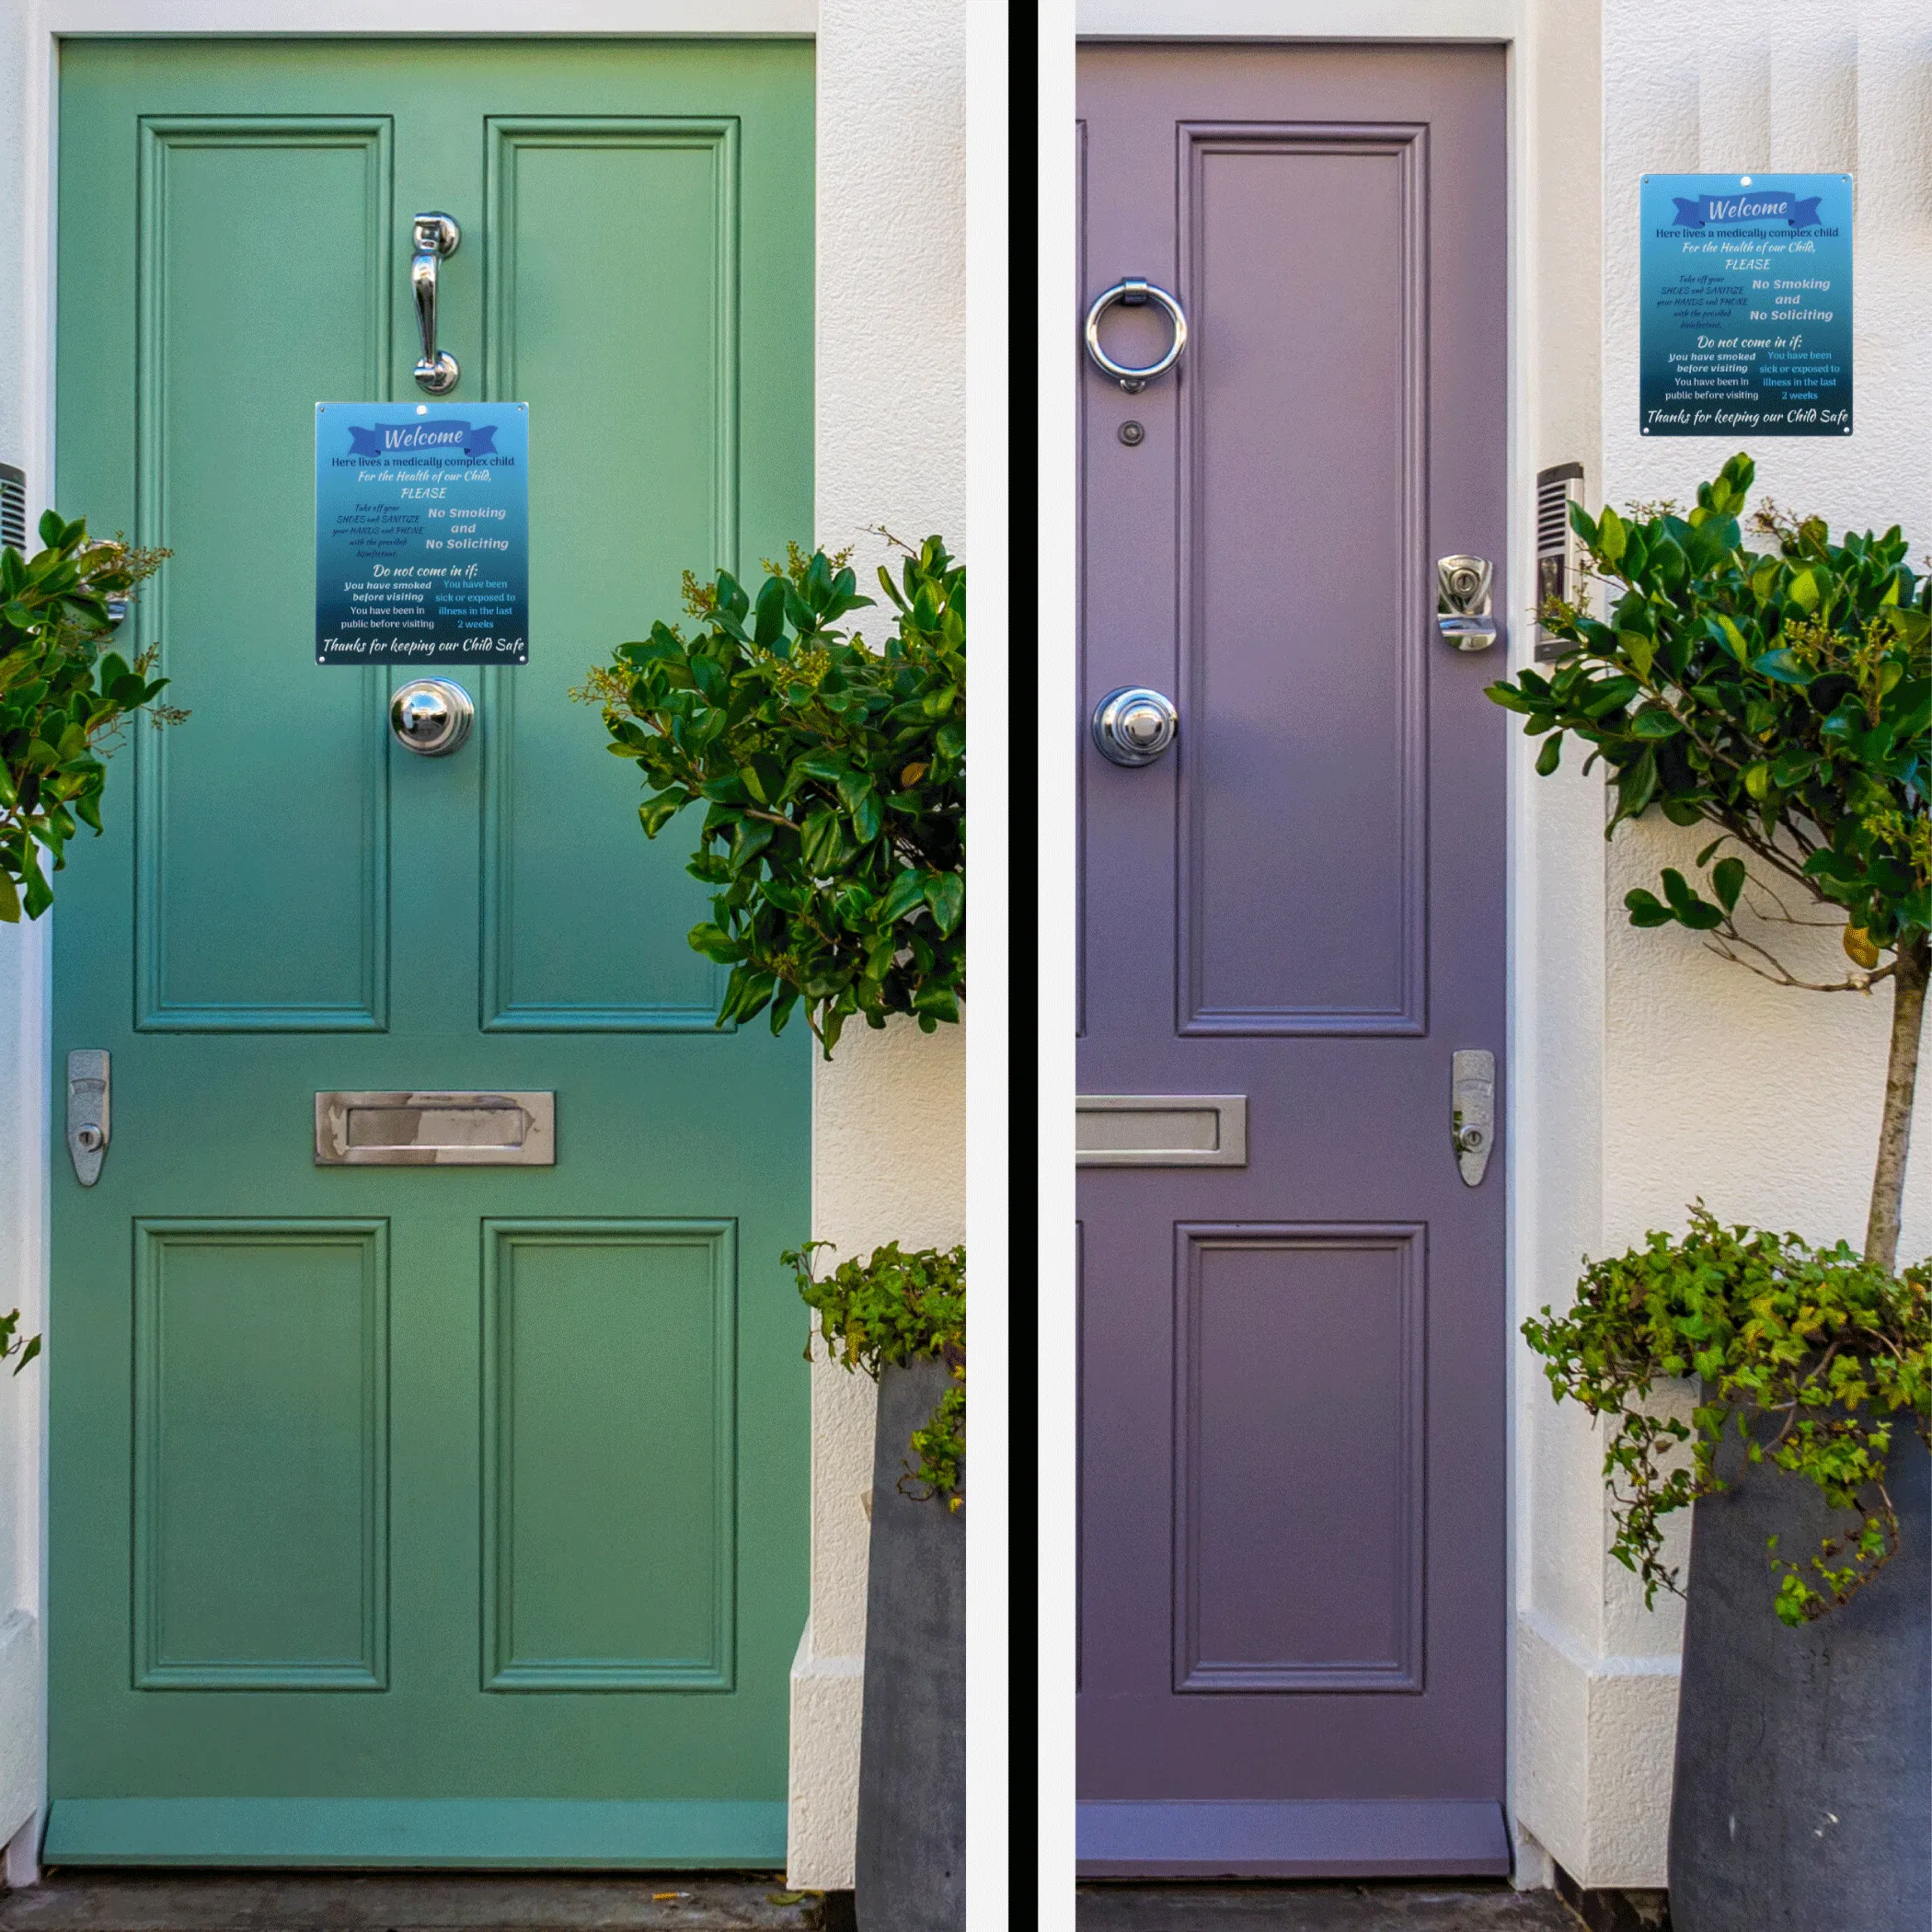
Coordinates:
[68,1901]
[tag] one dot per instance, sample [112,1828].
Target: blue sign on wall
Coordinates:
[423,533]
[1747,305]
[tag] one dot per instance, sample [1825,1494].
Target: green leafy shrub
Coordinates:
[1783,699]
[62,698]
[833,778]
[1814,1356]
[895,1308]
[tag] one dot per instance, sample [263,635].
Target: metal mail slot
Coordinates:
[435,1130]
[1160,1131]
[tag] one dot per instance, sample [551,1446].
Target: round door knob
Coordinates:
[430,715]
[1134,725]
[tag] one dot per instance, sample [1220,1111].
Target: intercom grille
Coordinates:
[1558,558]
[13,506]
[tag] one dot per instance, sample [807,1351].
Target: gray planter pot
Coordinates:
[1803,1794]
[911,1868]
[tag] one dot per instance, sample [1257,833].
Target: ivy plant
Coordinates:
[895,1308]
[1817,1358]
[15,1347]
[1782,698]
[64,699]
[832,779]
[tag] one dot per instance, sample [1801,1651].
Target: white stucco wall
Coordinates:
[23,1065]
[1696,1079]
[889,1110]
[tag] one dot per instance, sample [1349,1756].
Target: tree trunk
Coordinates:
[1888,1182]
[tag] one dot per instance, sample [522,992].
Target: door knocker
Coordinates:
[1134,294]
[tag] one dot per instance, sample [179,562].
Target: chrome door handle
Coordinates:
[437,237]
[430,715]
[1135,725]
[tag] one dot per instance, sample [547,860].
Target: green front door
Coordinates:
[421,1514]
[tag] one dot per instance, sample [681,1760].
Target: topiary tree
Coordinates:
[1783,699]
[833,777]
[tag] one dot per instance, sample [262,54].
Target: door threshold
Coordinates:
[311,1902]
[476,1834]
[1318,1906]
[1291,1838]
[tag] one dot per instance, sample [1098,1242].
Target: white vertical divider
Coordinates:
[1055,620]
[989,1680]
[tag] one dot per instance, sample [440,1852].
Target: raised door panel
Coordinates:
[1299,1527]
[610,1365]
[271,918]
[610,305]
[260,1434]
[1303,769]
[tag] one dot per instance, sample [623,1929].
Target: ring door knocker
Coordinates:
[1136,293]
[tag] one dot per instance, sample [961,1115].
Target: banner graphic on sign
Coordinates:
[1746,288]
[423,534]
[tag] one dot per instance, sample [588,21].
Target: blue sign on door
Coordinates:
[423,533]
[1747,305]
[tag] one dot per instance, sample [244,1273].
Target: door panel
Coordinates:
[247,922]
[1275,1588]
[608,1346]
[1292,1370]
[1303,374]
[660,350]
[422,1515]
[261,1377]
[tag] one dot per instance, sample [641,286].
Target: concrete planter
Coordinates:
[911,1866]
[1803,1793]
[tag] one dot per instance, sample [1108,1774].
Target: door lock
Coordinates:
[1135,725]
[89,1120]
[1462,601]
[1472,1088]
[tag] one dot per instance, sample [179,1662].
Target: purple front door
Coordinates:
[1293,1322]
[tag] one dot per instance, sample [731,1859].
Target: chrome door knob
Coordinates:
[1135,725]
[430,715]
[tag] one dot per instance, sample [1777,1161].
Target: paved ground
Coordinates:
[1315,1907]
[242,1901]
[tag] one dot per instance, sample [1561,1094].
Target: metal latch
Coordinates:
[1462,601]
[1472,1081]
[89,1120]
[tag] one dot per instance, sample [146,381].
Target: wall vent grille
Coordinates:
[13,506]
[1559,554]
